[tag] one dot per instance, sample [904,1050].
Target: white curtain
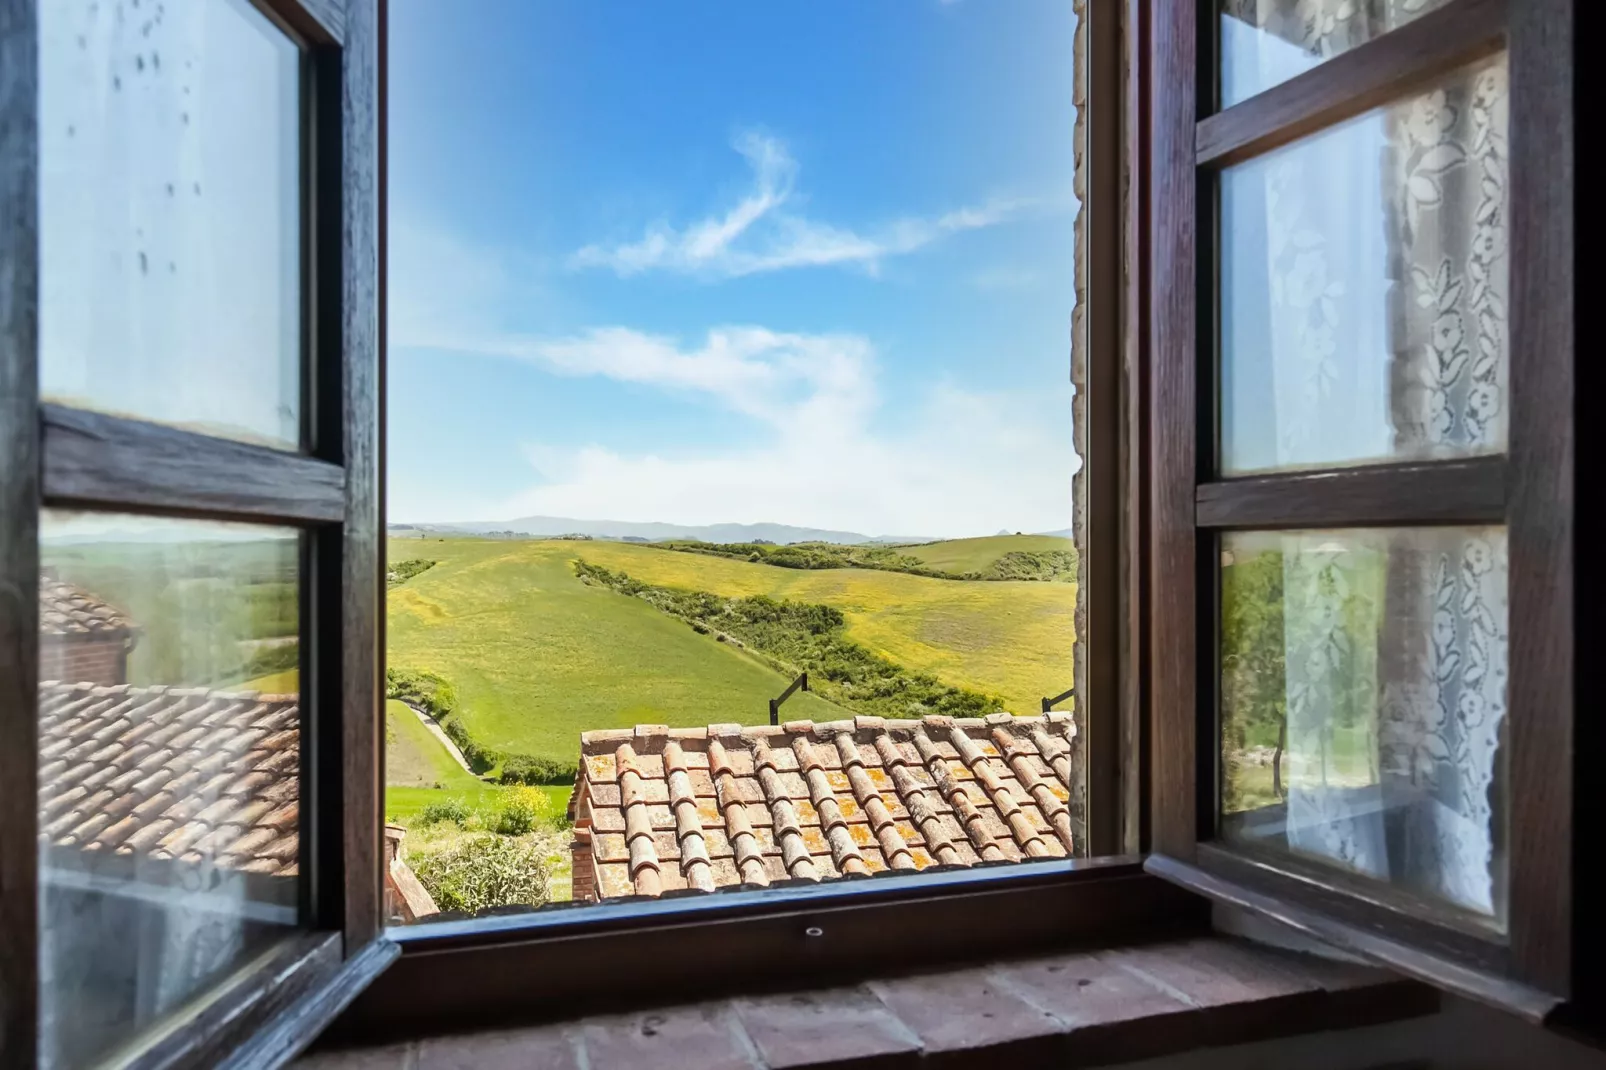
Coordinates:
[1385,298]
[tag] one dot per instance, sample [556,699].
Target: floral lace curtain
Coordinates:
[1395,642]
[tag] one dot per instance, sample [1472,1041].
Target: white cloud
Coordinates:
[960,463]
[967,464]
[763,232]
[823,443]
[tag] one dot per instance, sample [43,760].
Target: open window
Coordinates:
[1363,486]
[188,647]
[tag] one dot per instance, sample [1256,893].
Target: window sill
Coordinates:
[1078,1008]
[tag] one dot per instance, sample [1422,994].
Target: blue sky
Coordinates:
[700,262]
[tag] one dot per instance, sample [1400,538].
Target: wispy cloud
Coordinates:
[764,232]
[818,443]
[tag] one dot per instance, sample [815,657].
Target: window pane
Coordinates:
[1363,698]
[1265,42]
[169,215]
[169,756]
[1363,287]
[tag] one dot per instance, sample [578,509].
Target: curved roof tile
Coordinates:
[667,810]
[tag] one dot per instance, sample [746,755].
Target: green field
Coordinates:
[419,771]
[1011,639]
[974,555]
[537,657]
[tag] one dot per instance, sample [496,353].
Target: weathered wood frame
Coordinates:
[1531,489]
[54,456]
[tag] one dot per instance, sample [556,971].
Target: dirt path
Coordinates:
[440,733]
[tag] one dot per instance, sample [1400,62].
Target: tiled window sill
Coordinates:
[1073,1009]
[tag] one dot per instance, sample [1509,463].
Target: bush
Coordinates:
[431,691]
[484,871]
[402,571]
[523,809]
[271,659]
[452,810]
[517,818]
[527,769]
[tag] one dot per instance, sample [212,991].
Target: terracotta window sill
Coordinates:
[1072,1009]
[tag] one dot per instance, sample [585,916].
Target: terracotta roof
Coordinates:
[661,809]
[193,775]
[68,610]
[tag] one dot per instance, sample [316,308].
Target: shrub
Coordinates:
[431,691]
[452,810]
[517,818]
[484,871]
[271,659]
[523,809]
[402,571]
[527,769]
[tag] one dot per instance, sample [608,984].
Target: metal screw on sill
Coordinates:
[814,930]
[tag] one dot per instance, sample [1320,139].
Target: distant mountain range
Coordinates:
[546,526]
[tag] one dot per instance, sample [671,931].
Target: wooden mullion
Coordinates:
[1443,492]
[1172,433]
[1542,701]
[362,558]
[1354,82]
[1098,422]
[94,460]
[19,533]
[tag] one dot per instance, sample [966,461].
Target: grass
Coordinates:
[976,555]
[415,758]
[536,657]
[1007,638]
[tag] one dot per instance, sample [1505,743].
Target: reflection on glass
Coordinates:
[1363,287]
[1363,693]
[169,215]
[169,753]
[1266,42]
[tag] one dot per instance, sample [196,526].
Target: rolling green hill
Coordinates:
[537,657]
[978,555]
[1011,639]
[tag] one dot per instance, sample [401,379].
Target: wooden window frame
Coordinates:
[570,960]
[57,456]
[1530,489]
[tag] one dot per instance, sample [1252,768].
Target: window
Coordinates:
[188,818]
[1363,461]
[743,555]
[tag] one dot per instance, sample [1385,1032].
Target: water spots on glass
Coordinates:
[121,91]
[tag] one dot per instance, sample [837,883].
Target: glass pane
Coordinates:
[170,214]
[169,757]
[1363,287]
[1363,696]
[1265,42]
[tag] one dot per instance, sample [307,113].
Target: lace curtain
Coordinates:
[1395,641]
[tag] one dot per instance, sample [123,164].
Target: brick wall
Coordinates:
[96,661]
